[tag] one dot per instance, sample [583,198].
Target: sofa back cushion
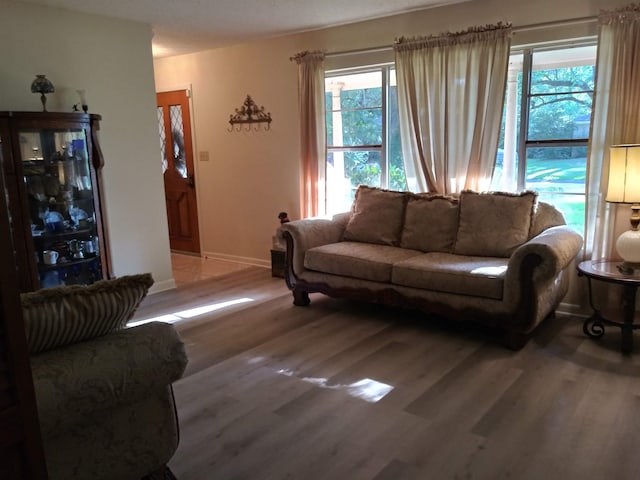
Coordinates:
[430,223]
[376,216]
[59,316]
[493,224]
[545,216]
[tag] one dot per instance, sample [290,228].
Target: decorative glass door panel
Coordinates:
[61,206]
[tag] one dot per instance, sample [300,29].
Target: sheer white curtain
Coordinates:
[616,120]
[312,132]
[450,98]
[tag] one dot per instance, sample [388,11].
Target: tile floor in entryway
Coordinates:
[190,268]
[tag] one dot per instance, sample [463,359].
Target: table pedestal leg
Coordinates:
[629,305]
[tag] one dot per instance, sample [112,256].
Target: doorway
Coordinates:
[174,123]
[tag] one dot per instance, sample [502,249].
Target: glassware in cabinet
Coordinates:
[57,168]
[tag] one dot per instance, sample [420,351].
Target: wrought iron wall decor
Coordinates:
[249,114]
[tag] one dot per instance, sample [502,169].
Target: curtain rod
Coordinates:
[523,28]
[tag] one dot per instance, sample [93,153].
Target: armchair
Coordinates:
[103,391]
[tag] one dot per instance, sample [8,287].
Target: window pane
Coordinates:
[354,109]
[562,80]
[361,97]
[177,134]
[163,139]
[358,120]
[560,117]
[571,206]
[363,168]
[347,170]
[556,169]
[361,127]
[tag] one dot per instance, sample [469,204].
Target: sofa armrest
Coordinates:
[552,251]
[101,374]
[301,235]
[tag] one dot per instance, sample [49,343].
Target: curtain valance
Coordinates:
[621,15]
[308,56]
[470,35]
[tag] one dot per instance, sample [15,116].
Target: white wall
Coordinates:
[112,60]
[253,176]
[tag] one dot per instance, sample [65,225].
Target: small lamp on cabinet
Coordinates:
[624,187]
[42,85]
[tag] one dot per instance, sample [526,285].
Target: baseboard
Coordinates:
[162,286]
[256,262]
[572,310]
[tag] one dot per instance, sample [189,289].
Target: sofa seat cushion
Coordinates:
[366,261]
[446,272]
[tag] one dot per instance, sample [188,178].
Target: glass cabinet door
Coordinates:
[59,183]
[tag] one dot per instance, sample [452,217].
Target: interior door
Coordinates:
[174,123]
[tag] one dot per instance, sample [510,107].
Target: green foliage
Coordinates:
[362,125]
[560,107]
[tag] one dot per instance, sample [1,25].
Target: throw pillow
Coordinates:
[430,223]
[493,224]
[54,317]
[376,216]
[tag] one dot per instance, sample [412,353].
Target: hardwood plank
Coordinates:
[269,394]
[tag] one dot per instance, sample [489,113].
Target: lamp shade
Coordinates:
[42,84]
[624,174]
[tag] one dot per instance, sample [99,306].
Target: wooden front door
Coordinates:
[174,122]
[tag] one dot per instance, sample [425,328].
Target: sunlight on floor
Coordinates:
[366,389]
[192,312]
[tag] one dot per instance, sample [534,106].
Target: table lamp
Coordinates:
[42,85]
[624,187]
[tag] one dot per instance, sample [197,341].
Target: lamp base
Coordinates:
[627,268]
[628,247]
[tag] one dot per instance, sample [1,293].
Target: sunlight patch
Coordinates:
[489,271]
[366,389]
[190,313]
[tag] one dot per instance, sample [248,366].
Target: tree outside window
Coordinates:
[363,137]
[549,128]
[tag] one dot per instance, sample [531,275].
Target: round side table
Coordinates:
[607,271]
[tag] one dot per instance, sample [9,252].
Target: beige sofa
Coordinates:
[103,391]
[495,258]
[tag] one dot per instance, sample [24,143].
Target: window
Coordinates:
[363,137]
[548,127]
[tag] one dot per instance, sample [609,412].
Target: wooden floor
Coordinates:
[275,391]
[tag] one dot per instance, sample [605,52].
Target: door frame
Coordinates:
[189,89]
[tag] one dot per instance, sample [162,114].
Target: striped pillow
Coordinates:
[54,317]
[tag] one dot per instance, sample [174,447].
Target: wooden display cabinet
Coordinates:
[52,165]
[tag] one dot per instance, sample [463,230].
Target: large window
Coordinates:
[548,127]
[543,141]
[363,138]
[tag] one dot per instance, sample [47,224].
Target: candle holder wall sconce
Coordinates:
[251,116]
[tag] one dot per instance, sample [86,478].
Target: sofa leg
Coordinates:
[301,298]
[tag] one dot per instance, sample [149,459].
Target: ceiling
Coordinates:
[185,26]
